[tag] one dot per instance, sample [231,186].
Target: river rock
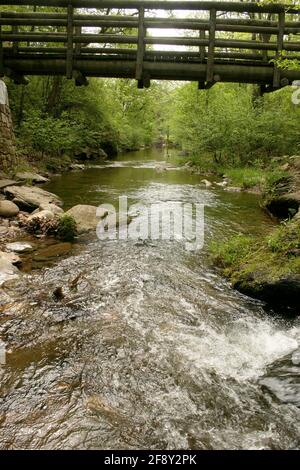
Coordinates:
[283,292]
[11,257]
[76,166]
[233,189]
[282,378]
[42,215]
[281,206]
[295,161]
[30,198]
[20,247]
[90,153]
[7,269]
[86,217]
[34,177]
[6,182]
[223,184]
[285,167]
[52,208]
[52,251]
[8,209]
[207,183]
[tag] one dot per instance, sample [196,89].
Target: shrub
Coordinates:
[66,228]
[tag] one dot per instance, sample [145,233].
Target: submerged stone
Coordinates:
[282,379]
[20,247]
[52,251]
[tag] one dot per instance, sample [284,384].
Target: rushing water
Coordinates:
[153,349]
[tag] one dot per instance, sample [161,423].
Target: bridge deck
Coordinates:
[218,41]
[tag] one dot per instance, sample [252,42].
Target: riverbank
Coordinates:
[269,268]
[34,229]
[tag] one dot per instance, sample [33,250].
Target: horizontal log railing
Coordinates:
[227,41]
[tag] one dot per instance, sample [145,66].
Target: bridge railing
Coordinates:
[225,33]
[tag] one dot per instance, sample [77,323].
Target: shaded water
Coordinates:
[153,349]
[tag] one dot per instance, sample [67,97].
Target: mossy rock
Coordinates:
[267,269]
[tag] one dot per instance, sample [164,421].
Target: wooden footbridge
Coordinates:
[206,42]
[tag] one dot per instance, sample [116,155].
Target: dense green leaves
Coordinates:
[53,116]
[234,125]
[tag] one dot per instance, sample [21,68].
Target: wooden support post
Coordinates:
[211,47]
[145,81]
[70,42]
[141,46]
[14,30]
[280,37]
[77,45]
[201,85]
[1,55]
[80,79]
[202,48]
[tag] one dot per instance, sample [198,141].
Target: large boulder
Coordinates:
[282,292]
[6,182]
[7,269]
[285,205]
[33,177]
[8,209]
[90,153]
[30,198]
[86,217]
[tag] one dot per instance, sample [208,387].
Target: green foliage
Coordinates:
[55,118]
[246,177]
[231,252]
[47,134]
[245,259]
[66,228]
[234,125]
[285,240]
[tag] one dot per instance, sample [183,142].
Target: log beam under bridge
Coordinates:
[234,41]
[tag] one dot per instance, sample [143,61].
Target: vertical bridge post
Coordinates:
[77,45]
[202,36]
[69,60]
[15,30]
[140,49]
[280,37]
[211,46]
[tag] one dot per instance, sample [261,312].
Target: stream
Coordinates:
[152,349]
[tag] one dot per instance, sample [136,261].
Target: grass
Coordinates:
[259,176]
[252,177]
[254,260]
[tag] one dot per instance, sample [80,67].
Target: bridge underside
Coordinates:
[152,69]
[218,41]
